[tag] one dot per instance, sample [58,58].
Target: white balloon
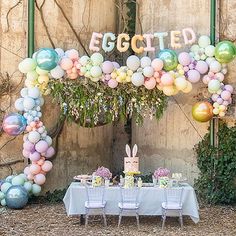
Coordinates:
[145,61]
[57,72]
[133,62]
[210,50]
[96,71]
[97,58]
[24,92]
[19,104]
[34,92]
[60,52]
[209,60]
[84,60]
[204,41]
[28,64]
[48,139]
[32,75]
[33,136]
[137,79]
[215,66]
[148,71]
[41,101]
[28,103]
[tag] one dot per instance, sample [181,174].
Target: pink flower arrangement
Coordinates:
[161,172]
[103,172]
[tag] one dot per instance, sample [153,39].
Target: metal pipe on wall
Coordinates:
[30,32]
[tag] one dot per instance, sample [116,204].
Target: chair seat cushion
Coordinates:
[171,206]
[95,205]
[128,205]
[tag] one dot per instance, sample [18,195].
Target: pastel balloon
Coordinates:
[14,124]
[206,79]
[112,83]
[25,153]
[201,67]
[41,146]
[107,67]
[84,60]
[47,166]
[214,97]
[96,71]
[18,180]
[115,64]
[220,76]
[210,51]
[34,136]
[148,71]
[225,51]
[145,61]
[193,76]
[202,111]
[33,92]
[35,169]
[204,41]
[137,79]
[167,79]
[226,95]
[184,58]
[169,58]
[96,59]
[36,189]
[168,90]
[28,103]
[39,179]
[5,186]
[28,186]
[181,83]
[41,71]
[28,146]
[66,63]
[73,54]
[35,156]
[26,170]
[60,52]
[188,89]
[27,65]
[48,139]
[47,58]
[214,85]
[229,88]
[215,66]
[133,62]
[19,104]
[57,72]
[150,83]
[157,64]
[50,152]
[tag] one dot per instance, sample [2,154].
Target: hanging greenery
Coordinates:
[216,183]
[89,103]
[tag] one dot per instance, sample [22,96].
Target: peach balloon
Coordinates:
[35,169]
[47,166]
[167,79]
[39,179]
[30,176]
[157,64]
[150,83]
[28,128]
[66,63]
[40,162]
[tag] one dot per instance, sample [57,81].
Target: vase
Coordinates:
[107,183]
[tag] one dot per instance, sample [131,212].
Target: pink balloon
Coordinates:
[39,179]
[72,54]
[28,146]
[115,64]
[201,67]
[214,97]
[225,103]
[41,146]
[220,76]
[50,152]
[167,79]
[35,156]
[157,64]
[226,95]
[107,67]
[193,76]
[66,63]
[150,83]
[229,88]
[47,166]
[27,170]
[26,153]
[219,100]
[41,161]
[206,79]
[112,83]
[30,176]
[35,169]
[184,58]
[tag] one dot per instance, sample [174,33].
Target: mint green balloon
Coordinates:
[18,180]
[169,58]
[3,202]
[5,186]
[2,195]
[225,51]
[28,186]
[36,189]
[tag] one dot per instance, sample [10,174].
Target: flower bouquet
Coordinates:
[103,174]
[161,174]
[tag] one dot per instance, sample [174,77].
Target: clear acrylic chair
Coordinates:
[95,204]
[129,203]
[173,202]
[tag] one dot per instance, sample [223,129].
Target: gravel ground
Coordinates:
[48,219]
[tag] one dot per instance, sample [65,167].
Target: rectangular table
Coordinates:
[150,199]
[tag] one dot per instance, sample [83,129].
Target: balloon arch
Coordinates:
[167,74]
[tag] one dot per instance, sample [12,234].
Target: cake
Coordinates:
[131,163]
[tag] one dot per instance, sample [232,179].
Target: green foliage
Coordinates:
[216,182]
[91,104]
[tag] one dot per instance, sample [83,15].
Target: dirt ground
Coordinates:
[51,219]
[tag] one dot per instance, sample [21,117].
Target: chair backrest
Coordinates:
[173,195]
[95,194]
[129,195]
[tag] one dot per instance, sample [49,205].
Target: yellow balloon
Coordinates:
[188,89]
[181,83]
[43,79]
[168,90]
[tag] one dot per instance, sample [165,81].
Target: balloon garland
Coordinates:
[167,74]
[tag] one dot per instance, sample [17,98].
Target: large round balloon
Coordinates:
[225,51]
[169,58]
[202,111]
[14,124]
[16,197]
[47,59]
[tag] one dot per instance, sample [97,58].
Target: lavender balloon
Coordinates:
[14,124]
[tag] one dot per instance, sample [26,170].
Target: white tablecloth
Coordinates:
[150,199]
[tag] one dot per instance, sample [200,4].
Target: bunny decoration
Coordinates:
[131,163]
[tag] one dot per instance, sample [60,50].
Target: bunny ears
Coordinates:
[128,150]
